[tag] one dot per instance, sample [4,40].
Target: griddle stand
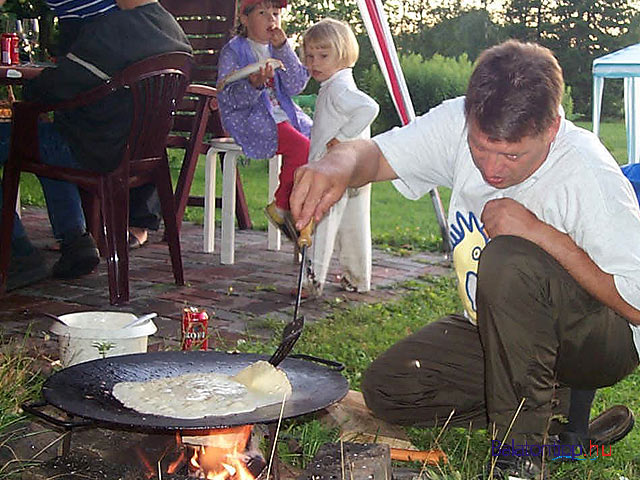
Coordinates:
[69,425]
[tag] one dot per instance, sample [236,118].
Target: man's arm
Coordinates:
[91,60]
[508,217]
[63,82]
[321,184]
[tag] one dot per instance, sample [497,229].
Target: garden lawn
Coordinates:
[614,137]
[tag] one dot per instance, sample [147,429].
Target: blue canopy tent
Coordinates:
[623,64]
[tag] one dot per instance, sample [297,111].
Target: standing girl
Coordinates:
[258,111]
[342,113]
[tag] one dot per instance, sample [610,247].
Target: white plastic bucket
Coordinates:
[92,335]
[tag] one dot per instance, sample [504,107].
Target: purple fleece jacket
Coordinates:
[246,111]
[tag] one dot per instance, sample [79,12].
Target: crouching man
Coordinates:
[546,233]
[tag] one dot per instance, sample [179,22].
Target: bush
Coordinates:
[307,103]
[567,103]
[430,82]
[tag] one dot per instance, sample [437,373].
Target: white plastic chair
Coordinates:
[230,151]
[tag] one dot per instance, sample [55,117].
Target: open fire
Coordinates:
[220,454]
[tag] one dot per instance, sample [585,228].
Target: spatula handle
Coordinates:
[304,239]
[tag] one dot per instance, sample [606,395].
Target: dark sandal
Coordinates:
[135,243]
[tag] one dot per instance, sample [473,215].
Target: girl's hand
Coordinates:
[332,143]
[258,79]
[278,37]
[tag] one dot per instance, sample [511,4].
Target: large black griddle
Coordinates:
[84,390]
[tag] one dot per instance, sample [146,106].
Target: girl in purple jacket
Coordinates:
[258,110]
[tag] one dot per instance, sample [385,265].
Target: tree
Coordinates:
[578,31]
[584,31]
[305,13]
[527,20]
[34,9]
[26,8]
[469,32]
[633,33]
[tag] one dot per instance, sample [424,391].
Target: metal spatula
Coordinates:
[290,336]
[292,330]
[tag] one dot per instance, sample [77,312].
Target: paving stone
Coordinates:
[190,295]
[14,301]
[162,307]
[168,328]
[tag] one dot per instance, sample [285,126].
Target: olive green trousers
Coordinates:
[538,333]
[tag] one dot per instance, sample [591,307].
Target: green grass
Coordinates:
[299,441]
[20,381]
[613,136]
[17,379]
[355,335]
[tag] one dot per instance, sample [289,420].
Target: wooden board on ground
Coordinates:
[357,423]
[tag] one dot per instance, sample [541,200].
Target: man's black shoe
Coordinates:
[612,425]
[26,269]
[609,427]
[79,257]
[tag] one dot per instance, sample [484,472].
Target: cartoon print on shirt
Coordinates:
[468,239]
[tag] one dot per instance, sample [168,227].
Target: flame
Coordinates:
[223,455]
[178,462]
[149,471]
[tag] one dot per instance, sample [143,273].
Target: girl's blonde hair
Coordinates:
[336,35]
[240,29]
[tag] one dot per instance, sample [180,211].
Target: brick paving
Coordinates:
[258,286]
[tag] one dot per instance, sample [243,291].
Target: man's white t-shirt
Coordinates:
[579,190]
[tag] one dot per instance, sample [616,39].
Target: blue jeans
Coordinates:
[63,199]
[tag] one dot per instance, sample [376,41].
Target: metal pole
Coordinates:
[442,220]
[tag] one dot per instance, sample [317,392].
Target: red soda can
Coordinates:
[195,335]
[15,49]
[5,40]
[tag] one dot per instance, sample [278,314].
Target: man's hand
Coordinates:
[259,79]
[316,188]
[505,216]
[320,184]
[278,37]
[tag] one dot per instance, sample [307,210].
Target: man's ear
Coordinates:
[554,127]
